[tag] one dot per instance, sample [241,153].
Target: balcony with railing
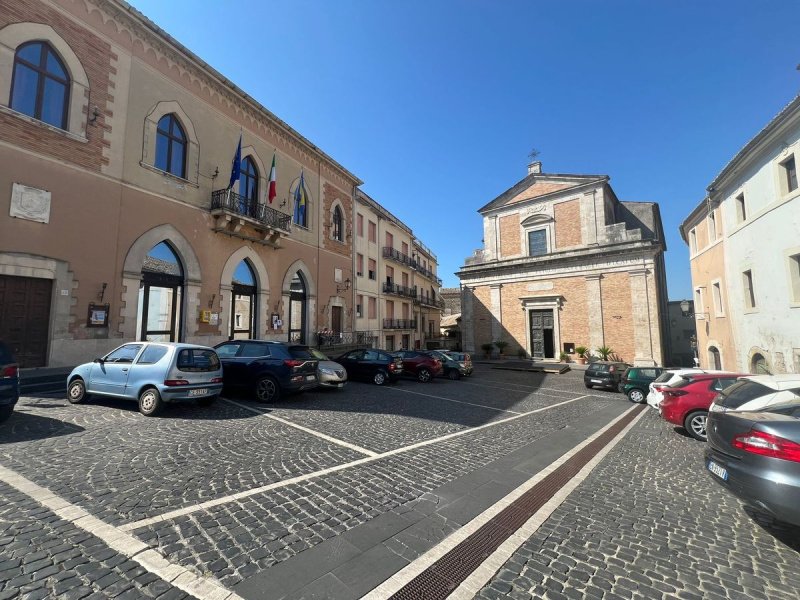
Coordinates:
[397,256]
[399,323]
[429,300]
[332,339]
[426,273]
[399,290]
[248,219]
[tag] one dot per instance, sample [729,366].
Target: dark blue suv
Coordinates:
[9,382]
[268,369]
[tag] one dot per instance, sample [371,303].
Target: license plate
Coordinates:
[200,392]
[597,381]
[717,470]
[310,377]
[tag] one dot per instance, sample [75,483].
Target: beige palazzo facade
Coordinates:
[115,222]
[565,263]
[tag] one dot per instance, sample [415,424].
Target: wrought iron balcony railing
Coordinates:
[399,290]
[396,255]
[332,339]
[426,273]
[399,323]
[430,301]
[236,204]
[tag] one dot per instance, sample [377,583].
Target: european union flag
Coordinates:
[300,202]
[236,168]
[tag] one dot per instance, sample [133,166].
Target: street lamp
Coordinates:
[687,313]
[343,288]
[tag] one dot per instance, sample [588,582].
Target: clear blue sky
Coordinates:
[436,104]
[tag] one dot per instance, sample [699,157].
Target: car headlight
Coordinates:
[326,371]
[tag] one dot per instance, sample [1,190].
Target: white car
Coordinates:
[667,378]
[758,393]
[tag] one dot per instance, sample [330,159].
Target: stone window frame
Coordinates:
[699,302]
[693,240]
[192,166]
[334,205]
[263,184]
[749,299]
[716,298]
[713,230]
[793,275]
[537,223]
[15,35]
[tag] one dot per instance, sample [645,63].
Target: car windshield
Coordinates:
[664,377]
[317,354]
[742,392]
[300,352]
[197,359]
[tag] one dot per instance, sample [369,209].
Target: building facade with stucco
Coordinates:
[565,263]
[116,225]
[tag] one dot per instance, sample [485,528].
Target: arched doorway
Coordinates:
[714,358]
[160,295]
[243,303]
[758,364]
[298,308]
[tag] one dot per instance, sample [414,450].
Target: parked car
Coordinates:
[419,365]
[654,395]
[151,373]
[756,457]
[268,369]
[330,374]
[604,374]
[636,381]
[463,359]
[9,382]
[372,365]
[686,402]
[452,368]
[758,392]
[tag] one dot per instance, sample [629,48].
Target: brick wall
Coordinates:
[509,235]
[618,315]
[568,223]
[481,317]
[330,194]
[96,57]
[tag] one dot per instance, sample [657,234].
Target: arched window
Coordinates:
[248,180]
[714,359]
[160,304]
[758,365]
[243,303]
[338,224]
[40,84]
[297,309]
[171,146]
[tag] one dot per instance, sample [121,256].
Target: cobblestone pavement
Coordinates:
[44,556]
[649,523]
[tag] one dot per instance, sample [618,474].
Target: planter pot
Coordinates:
[582,360]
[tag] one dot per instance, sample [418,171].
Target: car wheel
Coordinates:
[695,424]
[76,391]
[454,374]
[207,401]
[423,375]
[267,390]
[5,411]
[150,402]
[379,378]
[636,396]
[588,385]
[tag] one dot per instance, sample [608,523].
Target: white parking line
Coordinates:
[470,586]
[204,588]
[186,510]
[318,434]
[514,412]
[530,388]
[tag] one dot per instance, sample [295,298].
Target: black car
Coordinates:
[604,374]
[9,382]
[756,457]
[372,365]
[636,382]
[269,369]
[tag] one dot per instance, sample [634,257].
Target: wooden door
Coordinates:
[336,319]
[25,318]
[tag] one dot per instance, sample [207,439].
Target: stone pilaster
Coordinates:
[497,311]
[594,312]
[467,321]
[642,318]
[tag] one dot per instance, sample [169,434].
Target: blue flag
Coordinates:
[236,168]
[300,202]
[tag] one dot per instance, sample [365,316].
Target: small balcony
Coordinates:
[248,219]
[428,300]
[426,273]
[397,256]
[399,323]
[398,290]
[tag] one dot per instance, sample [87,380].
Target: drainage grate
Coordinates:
[440,579]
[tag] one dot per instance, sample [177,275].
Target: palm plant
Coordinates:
[604,352]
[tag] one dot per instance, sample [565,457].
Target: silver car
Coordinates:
[329,373]
[150,373]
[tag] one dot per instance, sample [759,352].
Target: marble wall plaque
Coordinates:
[30,203]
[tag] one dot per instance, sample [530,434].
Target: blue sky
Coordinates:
[436,104]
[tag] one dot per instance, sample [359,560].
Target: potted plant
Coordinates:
[501,346]
[581,352]
[564,357]
[487,349]
[604,352]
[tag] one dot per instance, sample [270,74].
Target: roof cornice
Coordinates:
[548,196]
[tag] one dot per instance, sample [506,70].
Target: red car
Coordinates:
[686,401]
[421,366]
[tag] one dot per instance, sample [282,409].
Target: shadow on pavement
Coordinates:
[23,426]
[788,535]
[219,411]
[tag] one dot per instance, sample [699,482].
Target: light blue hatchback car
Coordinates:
[152,374]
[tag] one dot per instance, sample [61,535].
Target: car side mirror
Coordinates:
[98,360]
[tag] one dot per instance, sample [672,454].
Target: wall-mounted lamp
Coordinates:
[343,288]
[687,313]
[215,174]
[94,115]
[102,291]
[283,203]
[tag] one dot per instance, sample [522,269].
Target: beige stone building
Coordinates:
[397,290]
[565,264]
[116,144]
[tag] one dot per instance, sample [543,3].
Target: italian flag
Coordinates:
[273,182]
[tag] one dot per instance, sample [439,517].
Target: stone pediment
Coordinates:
[540,188]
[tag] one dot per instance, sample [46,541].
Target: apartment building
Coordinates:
[745,255]
[565,263]
[396,286]
[117,221]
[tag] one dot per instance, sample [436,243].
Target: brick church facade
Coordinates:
[565,263]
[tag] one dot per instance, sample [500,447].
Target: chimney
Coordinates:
[535,167]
